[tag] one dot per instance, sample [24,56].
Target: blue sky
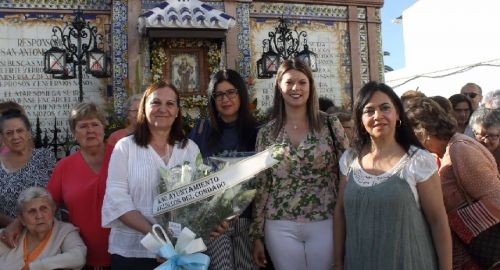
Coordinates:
[392,34]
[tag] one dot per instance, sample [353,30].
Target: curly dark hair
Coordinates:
[427,117]
[14,113]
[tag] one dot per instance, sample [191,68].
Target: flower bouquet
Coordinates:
[200,196]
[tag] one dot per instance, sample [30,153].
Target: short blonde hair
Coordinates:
[85,110]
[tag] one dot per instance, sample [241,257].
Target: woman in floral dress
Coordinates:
[295,199]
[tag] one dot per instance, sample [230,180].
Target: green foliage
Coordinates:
[115,122]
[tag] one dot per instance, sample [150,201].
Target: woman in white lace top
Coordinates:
[389,213]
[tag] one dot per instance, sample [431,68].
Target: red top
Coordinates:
[117,135]
[74,185]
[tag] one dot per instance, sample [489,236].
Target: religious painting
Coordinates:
[187,71]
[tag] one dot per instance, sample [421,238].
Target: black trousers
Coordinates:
[124,263]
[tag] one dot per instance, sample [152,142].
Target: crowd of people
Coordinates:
[383,187]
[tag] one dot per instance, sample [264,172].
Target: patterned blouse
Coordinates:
[302,186]
[36,173]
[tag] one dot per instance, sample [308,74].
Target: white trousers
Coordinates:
[300,245]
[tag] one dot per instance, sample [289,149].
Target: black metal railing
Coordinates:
[59,140]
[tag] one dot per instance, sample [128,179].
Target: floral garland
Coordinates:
[190,102]
[159,59]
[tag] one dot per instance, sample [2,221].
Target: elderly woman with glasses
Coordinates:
[468,170]
[131,107]
[486,127]
[45,243]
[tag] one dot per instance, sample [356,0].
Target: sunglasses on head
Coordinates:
[471,94]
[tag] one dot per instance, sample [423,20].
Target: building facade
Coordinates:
[345,35]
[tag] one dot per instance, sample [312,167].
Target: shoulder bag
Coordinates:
[476,223]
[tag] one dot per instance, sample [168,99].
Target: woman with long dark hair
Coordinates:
[230,125]
[389,213]
[230,128]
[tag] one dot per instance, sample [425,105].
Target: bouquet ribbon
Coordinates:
[186,253]
[196,261]
[215,183]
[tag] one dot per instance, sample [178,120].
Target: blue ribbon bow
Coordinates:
[195,261]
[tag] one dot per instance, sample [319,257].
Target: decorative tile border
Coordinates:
[381,69]
[377,15]
[58,4]
[300,10]
[346,65]
[120,52]
[361,13]
[149,4]
[244,57]
[363,47]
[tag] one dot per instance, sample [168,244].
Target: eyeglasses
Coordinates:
[481,137]
[229,93]
[471,94]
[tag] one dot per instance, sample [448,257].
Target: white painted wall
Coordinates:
[442,37]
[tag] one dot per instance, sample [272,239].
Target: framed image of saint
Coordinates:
[187,70]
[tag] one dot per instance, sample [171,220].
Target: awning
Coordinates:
[172,16]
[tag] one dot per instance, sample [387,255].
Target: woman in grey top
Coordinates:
[390,212]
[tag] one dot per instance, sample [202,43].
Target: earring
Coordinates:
[399,123]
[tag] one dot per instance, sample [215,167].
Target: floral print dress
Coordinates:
[302,186]
[36,173]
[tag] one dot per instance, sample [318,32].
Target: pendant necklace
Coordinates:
[294,126]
